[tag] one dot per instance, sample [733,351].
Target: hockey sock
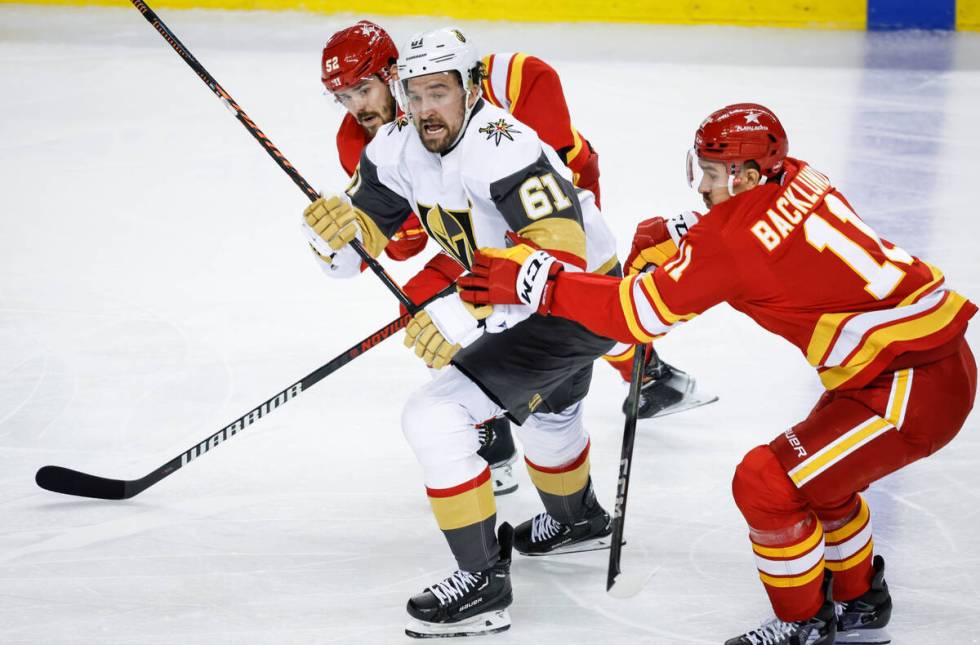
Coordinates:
[467,515]
[564,490]
[848,547]
[622,362]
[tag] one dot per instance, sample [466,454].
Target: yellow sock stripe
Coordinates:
[852,561]
[629,314]
[902,331]
[793,551]
[851,528]
[563,483]
[898,399]
[464,509]
[793,581]
[514,85]
[838,449]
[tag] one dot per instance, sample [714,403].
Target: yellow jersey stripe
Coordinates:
[650,288]
[823,334]
[514,84]
[937,278]
[897,332]
[629,314]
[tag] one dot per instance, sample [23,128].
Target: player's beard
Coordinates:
[440,140]
[371,120]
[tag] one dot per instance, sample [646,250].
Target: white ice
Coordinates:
[155,286]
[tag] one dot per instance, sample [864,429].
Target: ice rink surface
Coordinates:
[154,286]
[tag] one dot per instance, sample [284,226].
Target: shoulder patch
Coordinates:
[397,125]
[499,130]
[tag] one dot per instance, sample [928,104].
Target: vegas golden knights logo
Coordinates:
[452,230]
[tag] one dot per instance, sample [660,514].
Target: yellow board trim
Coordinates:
[850,529]
[470,507]
[852,561]
[806,14]
[794,581]
[839,448]
[968,15]
[791,551]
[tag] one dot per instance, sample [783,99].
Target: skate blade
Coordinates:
[595,544]
[490,622]
[503,478]
[864,637]
[689,402]
[627,585]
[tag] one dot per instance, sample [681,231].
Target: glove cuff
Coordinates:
[454,320]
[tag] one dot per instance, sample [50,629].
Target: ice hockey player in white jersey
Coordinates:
[477,177]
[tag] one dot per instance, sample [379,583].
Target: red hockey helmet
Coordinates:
[743,132]
[355,53]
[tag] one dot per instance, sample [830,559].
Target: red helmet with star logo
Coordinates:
[743,132]
[355,53]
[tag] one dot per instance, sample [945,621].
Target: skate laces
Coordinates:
[770,632]
[544,527]
[453,587]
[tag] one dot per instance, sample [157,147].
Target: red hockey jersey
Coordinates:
[796,259]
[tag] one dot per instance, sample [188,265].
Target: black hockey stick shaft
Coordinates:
[73,482]
[270,147]
[625,463]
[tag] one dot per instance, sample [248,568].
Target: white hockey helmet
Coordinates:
[441,50]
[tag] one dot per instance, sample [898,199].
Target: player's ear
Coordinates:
[750,177]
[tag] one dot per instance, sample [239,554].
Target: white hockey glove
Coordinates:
[443,328]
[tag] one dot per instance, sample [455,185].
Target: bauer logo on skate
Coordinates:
[793,205]
[241,423]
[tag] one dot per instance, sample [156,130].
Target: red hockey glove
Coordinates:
[656,240]
[518,275]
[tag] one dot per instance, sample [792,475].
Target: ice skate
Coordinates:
[497,448]
[668,390]
[544,535]
[819,630]
[863,619]
[467,603]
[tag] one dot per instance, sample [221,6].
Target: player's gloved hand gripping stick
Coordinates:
[72,482]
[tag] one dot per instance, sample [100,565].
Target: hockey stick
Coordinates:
[270,147]
[73,482]
[615,585]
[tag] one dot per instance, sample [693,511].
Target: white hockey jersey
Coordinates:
[499,177]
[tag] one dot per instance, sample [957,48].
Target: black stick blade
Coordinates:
[72,482]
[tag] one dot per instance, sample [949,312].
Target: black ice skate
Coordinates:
[544,535]
[819,630]
[862,620]
[668,390]
[497,448]
[466,603]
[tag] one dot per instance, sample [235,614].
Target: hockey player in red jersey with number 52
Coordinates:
[782,245]
[356,69]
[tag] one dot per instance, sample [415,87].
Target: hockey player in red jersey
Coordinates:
[886,336]
[356,68]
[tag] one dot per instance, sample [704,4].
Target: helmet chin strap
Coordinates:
[468,112]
